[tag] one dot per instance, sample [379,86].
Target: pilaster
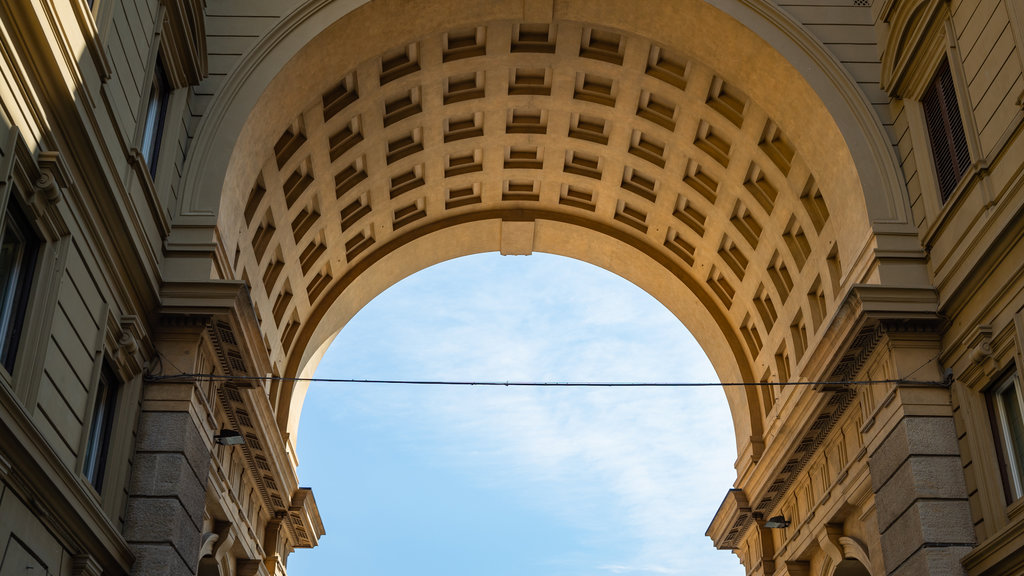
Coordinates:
[924,517]
[168,489]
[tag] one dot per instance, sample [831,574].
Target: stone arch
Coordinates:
[579,126]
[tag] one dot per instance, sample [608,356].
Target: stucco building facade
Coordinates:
[197,195]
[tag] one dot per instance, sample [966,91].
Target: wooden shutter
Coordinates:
[946,131]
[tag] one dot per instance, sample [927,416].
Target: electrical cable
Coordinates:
[551,384]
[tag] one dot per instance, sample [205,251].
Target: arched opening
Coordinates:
[582,130]
[746,185]
[515,479]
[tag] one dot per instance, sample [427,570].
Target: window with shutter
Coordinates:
[946,131]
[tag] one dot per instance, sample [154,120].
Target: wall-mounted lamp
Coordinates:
[777,522]
[229,437]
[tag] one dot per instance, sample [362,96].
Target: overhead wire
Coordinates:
[551,384]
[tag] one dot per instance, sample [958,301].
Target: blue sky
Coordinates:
[471,481]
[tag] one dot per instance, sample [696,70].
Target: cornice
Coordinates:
[732,517]
[868,314]
[223,312]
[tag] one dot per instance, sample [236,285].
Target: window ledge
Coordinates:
[975,174]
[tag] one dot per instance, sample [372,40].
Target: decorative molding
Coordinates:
[221,313]
[138,163]
[853,548]
[206,543]
[93,42]
[730,521]
[226,538]
[183,42]
[85,565]
[5,466]
[54,177]
[305,516]
[980,343]
[915,32]
[828,539]
[129,346]
[868,315]
[809,443]
[42,180]
[46,186]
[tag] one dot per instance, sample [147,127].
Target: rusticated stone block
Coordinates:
[919,477]
[163,520]
[927,436]
[159,560]
[926,523]
[174,432]
[934,561]
[168,475]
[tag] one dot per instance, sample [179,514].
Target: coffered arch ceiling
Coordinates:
[671,145]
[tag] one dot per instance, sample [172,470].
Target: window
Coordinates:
[18,248]
[945,131]
[100,427]
[1009,423]
[156,109]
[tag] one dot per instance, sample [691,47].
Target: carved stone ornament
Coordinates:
[207,543]
[46,186]
[981,344]
[128,348]
[853,548]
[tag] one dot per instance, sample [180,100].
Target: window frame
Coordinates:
[154,117]
[1009,456]
[921,35]
[947,134]
[34,182]
[102,420]
[14,305]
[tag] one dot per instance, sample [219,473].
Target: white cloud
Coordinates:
[656,461]
[624,569]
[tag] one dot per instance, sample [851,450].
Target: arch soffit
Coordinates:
[235,114]
[773,83]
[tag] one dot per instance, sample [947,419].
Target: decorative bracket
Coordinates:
[127,349]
